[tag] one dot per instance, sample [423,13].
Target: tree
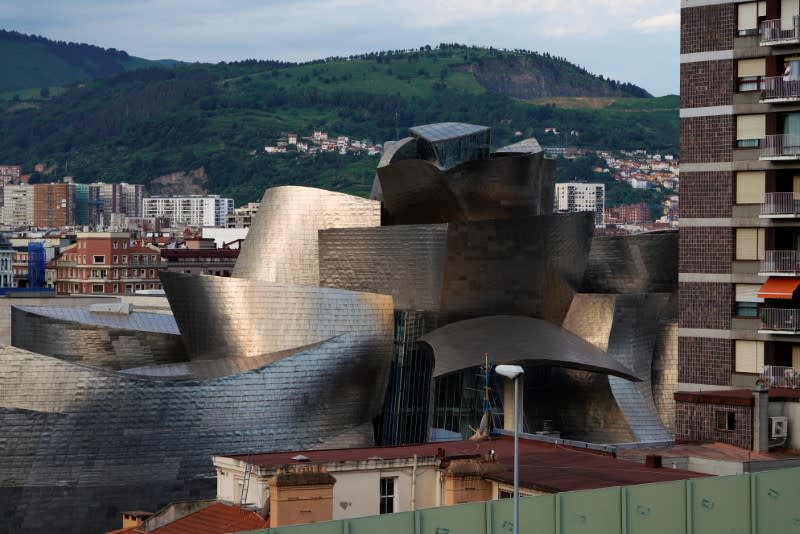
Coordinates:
[44,92]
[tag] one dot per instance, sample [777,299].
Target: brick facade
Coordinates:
[697,422]
[708,28]
[707,139]
[705,305]
[706,249]
[706,194]
[705,360]
[707,83]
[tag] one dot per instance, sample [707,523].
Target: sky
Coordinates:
[628,40]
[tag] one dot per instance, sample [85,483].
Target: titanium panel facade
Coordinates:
[524,266]
[247,318]
[500,187]
[50,331]
[100,442]
[282,243]
[406,262]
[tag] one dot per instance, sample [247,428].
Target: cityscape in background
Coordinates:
[478,315]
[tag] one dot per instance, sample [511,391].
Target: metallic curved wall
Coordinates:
[501,187]
[406,262]
[101,441]
[641,263]
[282,243]
[248,318]
[524,266]
[38,330]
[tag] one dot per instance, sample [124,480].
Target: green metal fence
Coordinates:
[760,503]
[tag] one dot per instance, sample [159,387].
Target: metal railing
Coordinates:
[776,376]
[781,203]
[780,319]
[781,145]
[780,261]
[772,32]
[777,87]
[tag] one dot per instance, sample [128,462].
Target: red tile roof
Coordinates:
[543,465]
[215,519]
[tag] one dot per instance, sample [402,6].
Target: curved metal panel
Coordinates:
[406,262]
[282,243]
[77,335]
[641,263]
[500,187]
[512,339]
[524,266]
[627,326]
[103,441]
[245,318]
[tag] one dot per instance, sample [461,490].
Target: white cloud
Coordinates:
[666,22]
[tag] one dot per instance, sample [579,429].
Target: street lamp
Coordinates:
[513,372]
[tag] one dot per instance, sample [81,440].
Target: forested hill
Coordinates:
[30,61]
[143,124]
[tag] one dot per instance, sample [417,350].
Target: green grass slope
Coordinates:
[34,62]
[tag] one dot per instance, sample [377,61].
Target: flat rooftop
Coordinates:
[545,466]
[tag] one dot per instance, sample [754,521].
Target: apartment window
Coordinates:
[152,273]
[748,356]
[387,495]
[750,187]
[98,259]
[74,288]
[749,16]
[152,258]
[115,244]
[747,300]
[725,419]
[136,272]
[128,289]
[115,260]
[751,74]
[124,244]
[115,288]
[124,260]
[750,243]
[750,130]
[125,273]
[97,288]
[115,273]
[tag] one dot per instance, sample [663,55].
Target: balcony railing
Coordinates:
[777,88]
[781,146]
[781,204]
[785,262]
[772,33]
[776,376]
[780,320]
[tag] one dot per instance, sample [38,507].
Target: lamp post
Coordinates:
[513,372]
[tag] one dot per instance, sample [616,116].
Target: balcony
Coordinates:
[781,147]
[776,376]
[779,321]
[777,90]
[780,205]
[780,263]
[772,34]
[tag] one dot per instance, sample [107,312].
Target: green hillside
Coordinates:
[28,62]
[141,124]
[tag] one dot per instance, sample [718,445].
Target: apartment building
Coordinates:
[576,196]
[193,210]
[740,192]
[108,263]
[54,205]
[17,208]
[242,217]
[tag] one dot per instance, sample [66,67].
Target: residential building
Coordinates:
[108,263]
[575,196]
[242,217]
[17,208]
[53,205]
[6,263]
[192,210]
[10,174]
[628,214]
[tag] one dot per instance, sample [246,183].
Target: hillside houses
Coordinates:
[319,142]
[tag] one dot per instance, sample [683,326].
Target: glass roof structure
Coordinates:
[444,131]
[451,143]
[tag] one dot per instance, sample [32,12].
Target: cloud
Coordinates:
[666,22]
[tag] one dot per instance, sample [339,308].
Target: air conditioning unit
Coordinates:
[778,427]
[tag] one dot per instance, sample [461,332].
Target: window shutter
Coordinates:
[749,356]
[752,67]
[750,187]
[750,127]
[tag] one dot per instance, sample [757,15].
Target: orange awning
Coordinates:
[778,287]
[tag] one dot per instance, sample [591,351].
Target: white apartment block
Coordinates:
[17,205]
[193,210]
[577,196]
